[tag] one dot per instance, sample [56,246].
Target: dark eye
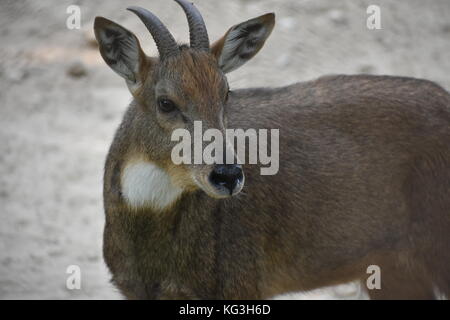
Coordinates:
[166,105]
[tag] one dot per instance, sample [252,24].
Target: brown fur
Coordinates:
[364,179]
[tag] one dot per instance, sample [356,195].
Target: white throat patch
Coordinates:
[147,185]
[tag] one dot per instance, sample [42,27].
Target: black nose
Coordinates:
[226,175]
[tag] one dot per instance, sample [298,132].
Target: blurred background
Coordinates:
[60,105]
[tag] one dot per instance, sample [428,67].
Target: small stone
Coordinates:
[15,74]
[283,60]
[367,68]
[347,290]
[287,23]
[446,28]
[77,70]
[337,17]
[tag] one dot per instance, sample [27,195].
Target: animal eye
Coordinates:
[166,105]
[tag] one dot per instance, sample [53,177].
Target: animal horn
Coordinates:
[197,29]
[165,42]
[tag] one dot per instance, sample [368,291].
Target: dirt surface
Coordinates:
[60,105]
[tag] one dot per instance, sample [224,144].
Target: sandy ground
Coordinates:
[60,105]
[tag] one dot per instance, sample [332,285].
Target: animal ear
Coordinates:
[242,42]
[121,51]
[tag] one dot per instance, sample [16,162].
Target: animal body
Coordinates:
[364,176]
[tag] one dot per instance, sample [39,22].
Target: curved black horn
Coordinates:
[197,30]
[166,44]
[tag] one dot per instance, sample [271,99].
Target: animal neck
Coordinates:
[146,185]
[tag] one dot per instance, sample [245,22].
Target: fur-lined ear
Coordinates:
[242,42]
[121,51]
